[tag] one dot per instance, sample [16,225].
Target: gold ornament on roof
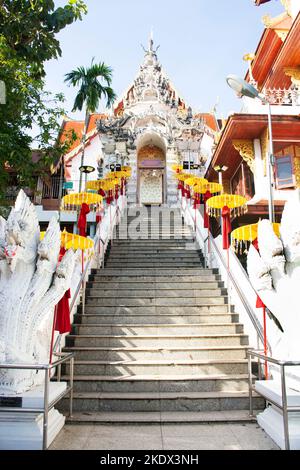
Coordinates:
[245,148]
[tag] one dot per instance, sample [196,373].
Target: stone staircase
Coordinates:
[158,342]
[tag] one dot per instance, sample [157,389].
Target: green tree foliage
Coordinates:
[30,116]
[94,84]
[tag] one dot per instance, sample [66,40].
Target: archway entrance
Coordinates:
[151,172]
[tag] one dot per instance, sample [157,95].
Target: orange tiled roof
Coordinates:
[209,120]
[67,126]
[92,121]
[78,127]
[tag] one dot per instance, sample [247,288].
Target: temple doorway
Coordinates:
[151,175]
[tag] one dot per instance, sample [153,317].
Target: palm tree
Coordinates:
[94,84]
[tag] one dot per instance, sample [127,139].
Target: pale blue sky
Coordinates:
[201,42]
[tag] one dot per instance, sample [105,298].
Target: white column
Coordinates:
[259,179]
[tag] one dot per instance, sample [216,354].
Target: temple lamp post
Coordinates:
[243,88]
[86,169]
[220,169]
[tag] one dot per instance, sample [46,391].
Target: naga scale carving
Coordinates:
[31,284]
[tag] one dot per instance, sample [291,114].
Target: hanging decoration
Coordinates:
[237,205]
[72,241]
[242,237]
[82,222]
[227,206]
[177,168]
[206,190]
[71,202]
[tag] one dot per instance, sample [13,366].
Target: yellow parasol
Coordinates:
[76,242]
[177,168]
[195,180]
[106,185]
[72,201]
[243,236]
[213,188]
[183,176]
[237,205]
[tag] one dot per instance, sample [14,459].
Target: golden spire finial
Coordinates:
[249,57]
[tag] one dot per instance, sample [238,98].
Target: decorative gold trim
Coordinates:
[267,21]
[264,145]
[297,171]
[245,148]
[282,34]
[151,152]
[294,73]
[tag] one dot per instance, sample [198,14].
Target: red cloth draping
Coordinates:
[109,198]
[206,197]
[122,187]
[196,200]
[226,227]
[259,302]
[101,192]
[188,193]
[62,323]
[98,218]
[117,193]
[82,219]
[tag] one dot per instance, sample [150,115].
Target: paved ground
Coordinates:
[163,437]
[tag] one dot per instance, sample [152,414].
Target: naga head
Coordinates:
[21,232]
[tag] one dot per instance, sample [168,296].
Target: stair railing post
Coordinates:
[83,296]
[71,385]
[250,384]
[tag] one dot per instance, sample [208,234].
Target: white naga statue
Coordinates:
[274,272]
[31,284]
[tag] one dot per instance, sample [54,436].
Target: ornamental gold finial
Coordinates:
[249,57]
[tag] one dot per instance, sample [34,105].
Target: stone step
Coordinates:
[145,249]
[158,341]
[140,286]
[129,319]
[151,264]
[195,273]
[119,278]
[183,256]
[148,329]
[147,367]
[94,292]
[162,402]
[147,237]
[176,383]
[155,310]
[137,242]
[167,417]
[215,353]
[157,301]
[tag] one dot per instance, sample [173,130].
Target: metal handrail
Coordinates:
[64,357]
[246,304]
[284,408]
[83,276]
[243,299]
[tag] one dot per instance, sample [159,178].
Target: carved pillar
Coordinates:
[264,143]
[297,165]
[294,73]
[246,150]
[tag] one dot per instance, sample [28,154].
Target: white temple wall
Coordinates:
[93,153]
